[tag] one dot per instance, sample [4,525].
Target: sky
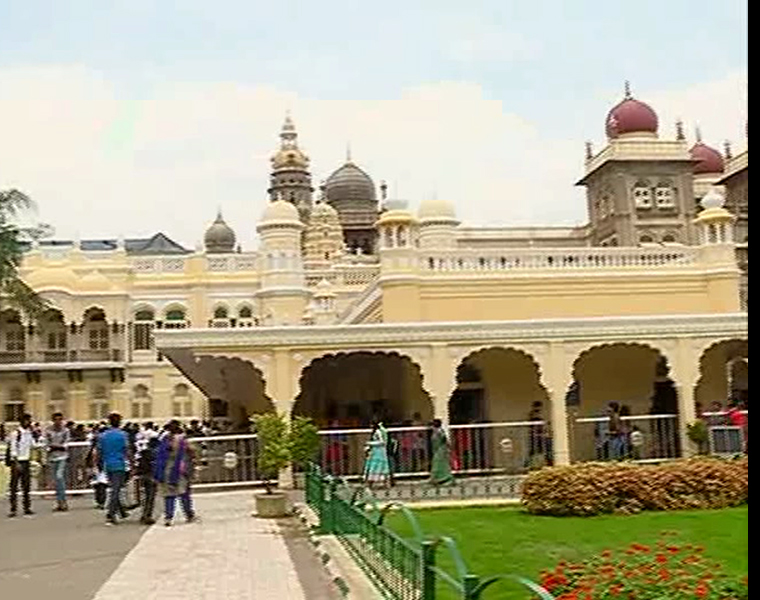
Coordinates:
[129,117]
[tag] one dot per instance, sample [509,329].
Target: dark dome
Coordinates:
[349,183]
[219,236]
[631,116]
[710,160]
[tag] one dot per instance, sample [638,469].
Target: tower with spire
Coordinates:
[290,179]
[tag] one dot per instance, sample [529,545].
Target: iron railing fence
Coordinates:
[483,450]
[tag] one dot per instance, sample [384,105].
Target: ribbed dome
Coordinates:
[322,210]
[710,160]
[349,183]
[280,210]
[219,236]
[436,210]
[630,116]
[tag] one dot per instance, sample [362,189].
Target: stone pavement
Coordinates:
[228,555]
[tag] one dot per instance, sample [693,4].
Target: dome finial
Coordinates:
[589,151]
[727,149]
[627,88]
[383,190]
[698,134]
[679,131]
[219,213]
[348,152]
[288,133]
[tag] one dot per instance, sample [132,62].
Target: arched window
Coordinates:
[141,402]
[182,402]
[221,312]
[175,319]
[99,406]
[14,405]
[245,317]
[642,194]
[669,238]
[646,239]
[12,335]
[57,401]
[143,329]
[54,333]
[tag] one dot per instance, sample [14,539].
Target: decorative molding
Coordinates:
[392,335]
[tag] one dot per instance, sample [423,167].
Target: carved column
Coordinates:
[557,368]
[685,374]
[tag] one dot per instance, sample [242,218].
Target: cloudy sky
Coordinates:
[132,116]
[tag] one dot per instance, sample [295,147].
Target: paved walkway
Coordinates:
[229,555]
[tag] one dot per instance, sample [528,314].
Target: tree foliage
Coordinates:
[14,291]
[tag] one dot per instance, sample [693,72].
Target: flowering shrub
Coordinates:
[665,571]
[596,488]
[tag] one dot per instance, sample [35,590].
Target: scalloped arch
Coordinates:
[93,308]
[465,355]
[260,370]
[598,346]
[707,348]
[140,306]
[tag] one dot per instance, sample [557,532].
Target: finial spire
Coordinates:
[589,150]
[348,152]
[727,149]
[383,190]
[627,89]
[698,134]
[679,130]
[288,133]
[219,213]
[322,191]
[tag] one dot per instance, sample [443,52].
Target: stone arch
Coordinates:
[715,362]
[510,383]
[637,388]
[352,387]
[54,333]
[235,388]
[143,307]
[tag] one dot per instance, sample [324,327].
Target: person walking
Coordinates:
[57,439]
[377,467]
[173,471]
[147,445]
[22,442]
[440,465]
[113,450]
[5,453]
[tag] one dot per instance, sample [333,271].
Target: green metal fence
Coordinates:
[402,569]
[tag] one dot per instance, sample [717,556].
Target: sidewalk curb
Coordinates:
[348,579]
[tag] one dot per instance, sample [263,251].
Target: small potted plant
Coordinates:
[304,445]
[698,434]
[274,456]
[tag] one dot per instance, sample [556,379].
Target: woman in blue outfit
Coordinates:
[377,468]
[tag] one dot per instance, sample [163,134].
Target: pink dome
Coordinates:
[709,159]
[630,116]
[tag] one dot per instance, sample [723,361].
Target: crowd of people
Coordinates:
[155,461]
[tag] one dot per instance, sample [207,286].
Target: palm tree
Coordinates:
[13,290]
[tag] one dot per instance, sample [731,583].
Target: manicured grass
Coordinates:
[509,541]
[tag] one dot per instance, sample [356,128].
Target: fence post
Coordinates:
[428,574]
[327,516]
[469,583]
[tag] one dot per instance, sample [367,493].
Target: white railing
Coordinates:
[231,263]
[341,275]
[639,149]
[159,265]
[556,259]
[649,438]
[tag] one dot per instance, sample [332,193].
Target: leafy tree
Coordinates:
[274,446]
[13,290]
[304,441]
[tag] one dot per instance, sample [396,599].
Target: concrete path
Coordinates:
[229,555]
[65,556]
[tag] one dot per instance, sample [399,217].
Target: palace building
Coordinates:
[355,305]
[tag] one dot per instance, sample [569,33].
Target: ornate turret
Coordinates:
[290,178]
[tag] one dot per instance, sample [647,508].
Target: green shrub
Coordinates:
[304,441]
[597,488]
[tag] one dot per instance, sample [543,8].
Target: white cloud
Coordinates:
[99,164]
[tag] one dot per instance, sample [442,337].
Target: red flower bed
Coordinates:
[642,572]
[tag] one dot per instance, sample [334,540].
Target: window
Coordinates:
[642,195]
[57,401]
[14,405]
[56,340]
[99,407]
[15,340]
[141,402]
[245,317]
[99,338]
[669,238]
[182,403]
[221,317]
[143,330]
[664,196]
[646,239]
[175,319]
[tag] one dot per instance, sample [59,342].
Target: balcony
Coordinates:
[64,359]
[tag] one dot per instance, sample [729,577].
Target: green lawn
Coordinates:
[508,540]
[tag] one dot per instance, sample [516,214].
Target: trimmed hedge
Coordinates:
[598,488]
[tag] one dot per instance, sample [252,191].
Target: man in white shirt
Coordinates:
[57,438]
[22,442]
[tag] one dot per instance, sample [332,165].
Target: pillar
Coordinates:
[557,370]
[685,373]
[440,380]
[78,406]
